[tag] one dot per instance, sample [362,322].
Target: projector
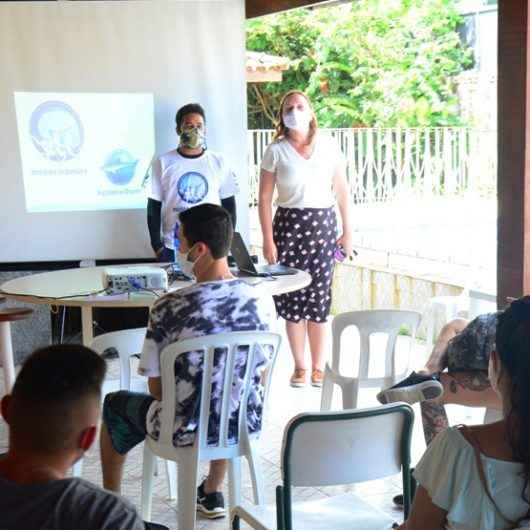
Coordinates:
[125,279]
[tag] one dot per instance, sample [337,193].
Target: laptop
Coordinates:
[245,264]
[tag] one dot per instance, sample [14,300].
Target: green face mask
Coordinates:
[192,138]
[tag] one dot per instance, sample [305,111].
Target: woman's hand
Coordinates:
[346,242]
[270,252]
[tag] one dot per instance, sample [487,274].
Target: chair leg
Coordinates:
[171,472]
[327,390]
[350,394]
[234,481]
[187,492]
[6,356]
[235,523]
[256,476]
[148,477]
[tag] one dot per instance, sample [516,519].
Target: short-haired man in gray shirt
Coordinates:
[53,415]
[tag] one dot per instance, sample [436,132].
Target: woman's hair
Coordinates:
[513,349]
[281,131]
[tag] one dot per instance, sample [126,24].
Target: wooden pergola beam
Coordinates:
[513,185]
[258,8]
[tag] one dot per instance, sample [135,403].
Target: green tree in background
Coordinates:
[368,63]
[292,34]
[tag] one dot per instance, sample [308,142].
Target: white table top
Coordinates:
[75,287]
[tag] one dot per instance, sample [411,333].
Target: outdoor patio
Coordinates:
[285,402]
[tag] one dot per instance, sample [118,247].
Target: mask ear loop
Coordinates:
[193,262]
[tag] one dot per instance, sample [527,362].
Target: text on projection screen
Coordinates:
[85,151]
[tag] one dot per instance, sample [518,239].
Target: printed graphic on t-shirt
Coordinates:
[180,183]
[192,187]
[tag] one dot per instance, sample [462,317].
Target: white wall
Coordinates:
[181,51]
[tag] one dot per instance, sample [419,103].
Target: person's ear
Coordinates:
[87,437]
[202,249]
[4,408]
[178,130]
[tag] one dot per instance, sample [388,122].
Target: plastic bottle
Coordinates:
[176,242]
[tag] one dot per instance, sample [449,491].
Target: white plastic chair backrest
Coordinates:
[369,322]
[345,447]
[255,341]
[128,342]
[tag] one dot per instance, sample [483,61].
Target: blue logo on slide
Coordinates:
[56,131]
[120,166]
[192,187]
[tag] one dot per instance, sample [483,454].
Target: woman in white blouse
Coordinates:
[308,171]
[477,478]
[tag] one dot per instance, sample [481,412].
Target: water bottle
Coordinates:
[176,243]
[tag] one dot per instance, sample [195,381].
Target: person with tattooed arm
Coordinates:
[455,373]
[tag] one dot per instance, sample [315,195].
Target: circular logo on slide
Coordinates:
[192,187]
[56,131]
[120,166]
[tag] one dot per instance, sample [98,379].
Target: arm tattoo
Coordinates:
[434,419]
[475,381]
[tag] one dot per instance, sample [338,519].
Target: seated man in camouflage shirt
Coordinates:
[217,303]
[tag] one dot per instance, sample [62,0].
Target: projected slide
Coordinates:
[85,151]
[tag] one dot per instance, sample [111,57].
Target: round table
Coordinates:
[76,288]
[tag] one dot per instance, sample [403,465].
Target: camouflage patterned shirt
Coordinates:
[205,309]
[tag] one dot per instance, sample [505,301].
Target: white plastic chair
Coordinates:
[446,306]
[331,449]
[388,322]
[128,342]
[188,458]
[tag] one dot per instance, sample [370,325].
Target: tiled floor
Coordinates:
[285,402]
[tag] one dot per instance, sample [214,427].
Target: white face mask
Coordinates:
[493,376]
[298,120]
[186,266]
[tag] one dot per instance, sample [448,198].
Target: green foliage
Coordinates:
[294,35]
[368,63]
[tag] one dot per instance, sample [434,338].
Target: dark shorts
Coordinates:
[470,350]
[124,415]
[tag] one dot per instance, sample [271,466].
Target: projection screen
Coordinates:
[88,96]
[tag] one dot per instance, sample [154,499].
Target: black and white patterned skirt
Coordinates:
[306,239]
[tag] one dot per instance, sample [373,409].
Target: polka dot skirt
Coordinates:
[306,239]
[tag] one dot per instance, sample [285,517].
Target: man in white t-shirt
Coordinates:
[217,303]
[184,177]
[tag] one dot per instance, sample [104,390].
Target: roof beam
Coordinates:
[258,8]
[513,236]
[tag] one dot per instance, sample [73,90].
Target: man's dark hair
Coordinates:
[209,224]
[190,108]
[55,384]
